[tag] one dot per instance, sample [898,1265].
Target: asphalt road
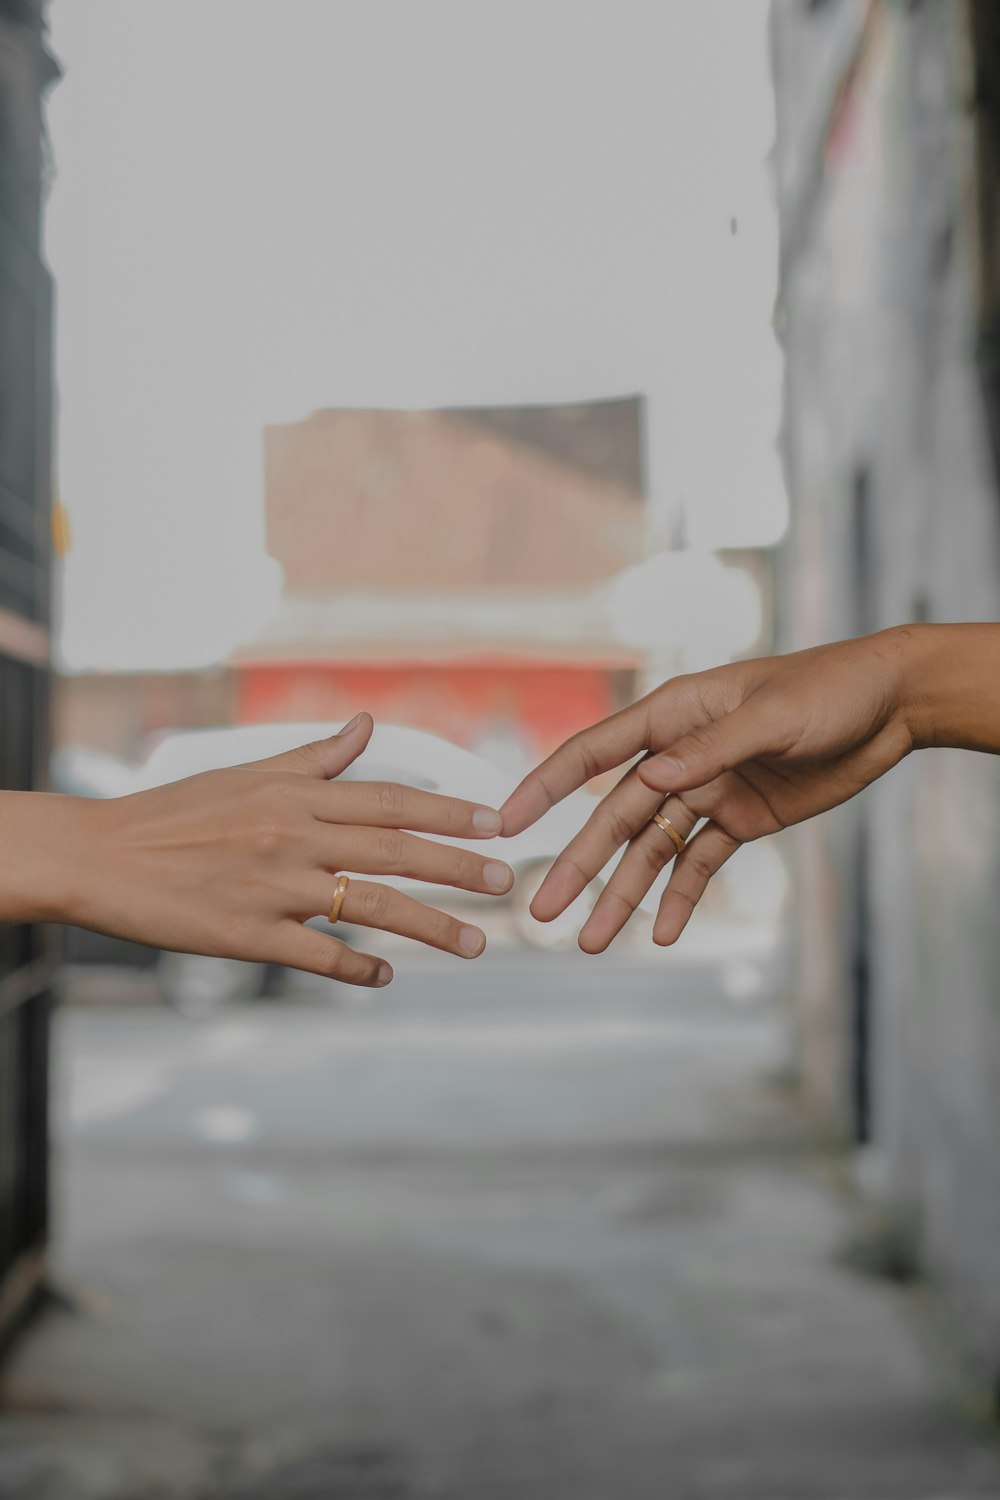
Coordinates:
[533,1229]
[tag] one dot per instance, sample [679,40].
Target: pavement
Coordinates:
[538,1228]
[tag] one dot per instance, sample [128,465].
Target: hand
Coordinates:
[750,747]
[233,862]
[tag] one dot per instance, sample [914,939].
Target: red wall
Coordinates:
[465,702]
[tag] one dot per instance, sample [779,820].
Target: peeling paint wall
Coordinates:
[896,517]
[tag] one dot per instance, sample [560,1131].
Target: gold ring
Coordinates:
[338,900]
[670,831]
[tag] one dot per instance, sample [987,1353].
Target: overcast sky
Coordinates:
[267,206]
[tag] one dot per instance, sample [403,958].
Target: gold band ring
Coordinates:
[670,831]
[338,900]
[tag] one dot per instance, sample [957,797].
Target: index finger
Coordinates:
[387,804]
[586,754]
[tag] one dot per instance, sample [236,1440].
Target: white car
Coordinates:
[411,757]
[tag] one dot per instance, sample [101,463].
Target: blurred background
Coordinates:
[482,367]
[431,418]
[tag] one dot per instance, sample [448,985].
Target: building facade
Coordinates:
[451,570]
[888,186]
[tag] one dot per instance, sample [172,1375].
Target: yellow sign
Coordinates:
[62,537]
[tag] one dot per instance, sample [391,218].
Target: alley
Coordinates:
[536,1229]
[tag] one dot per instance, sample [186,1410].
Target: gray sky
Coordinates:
[267,206]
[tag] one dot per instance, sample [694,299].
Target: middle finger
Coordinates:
[387,804]
[615,820]
[387,851]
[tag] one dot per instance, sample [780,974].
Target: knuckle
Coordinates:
[455,819]
[700,866]
[311,756]
[267,838]
[568,861]
[618,826]
[376,903]
[586,756]
[444,931]
[391,848]
[623,898]
[698,741]
[389,799]
[688,900]
[332,963]
[654,856]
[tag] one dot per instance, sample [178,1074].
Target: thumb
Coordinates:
[697,758]
[324,759]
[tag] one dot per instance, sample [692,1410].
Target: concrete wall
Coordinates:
[896,517]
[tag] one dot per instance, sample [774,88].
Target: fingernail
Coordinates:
[497,876]
[471,941]
[669,766]
[485,820]
[347,729]
[384,974]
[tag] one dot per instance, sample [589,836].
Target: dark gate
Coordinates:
[26,960]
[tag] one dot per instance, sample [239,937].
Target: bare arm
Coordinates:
[235,862]
[951,685]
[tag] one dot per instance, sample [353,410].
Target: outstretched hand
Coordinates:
[750,747]
[233,863]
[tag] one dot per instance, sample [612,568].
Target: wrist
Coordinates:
[910,651]
[46,850]
[949,679]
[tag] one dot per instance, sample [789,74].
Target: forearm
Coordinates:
[40,864]
[950,684]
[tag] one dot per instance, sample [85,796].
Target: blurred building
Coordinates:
[118,711]
[888,177]
[449,569]
[27,955]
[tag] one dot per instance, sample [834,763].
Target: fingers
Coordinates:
[371,905]
[751,730]
[616,819]
[704,856]
[377,851]
[385,804]
[304,948]
[599,748]
[323,759]
[642,862]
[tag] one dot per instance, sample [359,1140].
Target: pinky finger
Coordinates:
[305,948]
[704,855]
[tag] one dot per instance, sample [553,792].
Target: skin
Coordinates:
[751,748]
[232,863]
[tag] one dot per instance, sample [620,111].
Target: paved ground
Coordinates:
[541,1229]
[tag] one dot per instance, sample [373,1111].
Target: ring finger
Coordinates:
[367,903]
[703,858]
[646,855]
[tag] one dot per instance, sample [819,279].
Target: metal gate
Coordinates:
[26,960]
